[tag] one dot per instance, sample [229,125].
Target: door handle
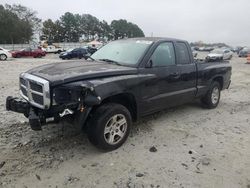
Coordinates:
[175,74]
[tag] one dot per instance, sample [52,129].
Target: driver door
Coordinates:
[160,90]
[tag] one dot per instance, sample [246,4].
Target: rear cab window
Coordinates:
[182,53]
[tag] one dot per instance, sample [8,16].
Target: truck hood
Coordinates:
[66,72]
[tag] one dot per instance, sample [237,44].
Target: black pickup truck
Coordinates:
[121,82]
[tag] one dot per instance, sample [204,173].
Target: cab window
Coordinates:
[163,55]
[182,53]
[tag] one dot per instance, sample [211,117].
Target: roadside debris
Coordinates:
[94,164]
[2,164]
[153,149]
[70,179]
[38,177]
[205,161]
[139,175]
[185,165]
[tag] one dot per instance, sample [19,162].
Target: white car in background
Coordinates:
[4,54]
[220,54]
[53,49]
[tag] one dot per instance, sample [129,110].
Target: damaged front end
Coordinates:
[42,104]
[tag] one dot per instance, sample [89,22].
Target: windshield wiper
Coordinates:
[89,57]
[110,61]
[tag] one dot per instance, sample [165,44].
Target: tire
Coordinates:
[18,56]
[107,117]
[3,57]
[212,98]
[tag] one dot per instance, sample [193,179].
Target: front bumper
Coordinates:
[21,106]
[17,105]
[39,117]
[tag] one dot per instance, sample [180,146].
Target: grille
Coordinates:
[38,98]
[35,90]
[36,87]
[22,81]
[24,91]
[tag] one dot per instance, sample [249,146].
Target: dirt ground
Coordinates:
[194,147]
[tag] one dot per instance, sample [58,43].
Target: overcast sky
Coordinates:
[207,20]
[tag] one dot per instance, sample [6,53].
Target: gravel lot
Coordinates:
[193,147]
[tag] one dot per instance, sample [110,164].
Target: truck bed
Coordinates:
[206,72]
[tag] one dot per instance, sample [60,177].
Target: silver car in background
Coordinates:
[4,54]
[220,54]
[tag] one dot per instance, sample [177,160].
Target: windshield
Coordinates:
[125,52]
[69,50]
[217,51]
[245,49]
[26,49]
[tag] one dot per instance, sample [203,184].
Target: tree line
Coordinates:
[72,27]
[19,24]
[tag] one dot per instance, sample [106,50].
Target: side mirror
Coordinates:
[149,64]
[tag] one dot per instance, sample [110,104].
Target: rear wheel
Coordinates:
[109,127]
[212,98]
[3,57]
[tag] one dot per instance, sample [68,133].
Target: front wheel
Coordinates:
[3,57]
[109,126]
[212,98]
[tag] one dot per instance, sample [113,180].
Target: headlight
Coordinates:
[62,95]
[66,94]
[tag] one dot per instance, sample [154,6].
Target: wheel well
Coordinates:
[125,99]
[220,80]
